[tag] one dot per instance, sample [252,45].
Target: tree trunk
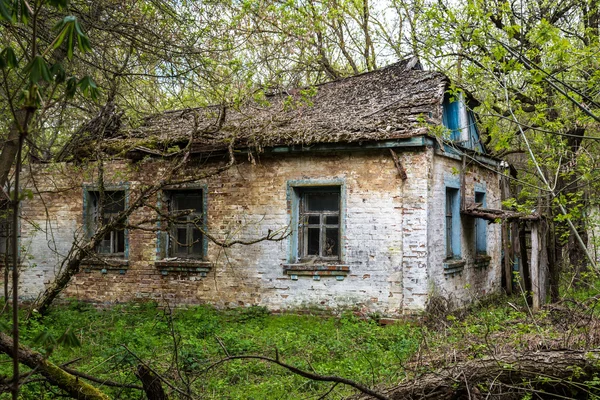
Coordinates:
[10,148]
[577,256]
[76,388]
[551,372]
[70,268]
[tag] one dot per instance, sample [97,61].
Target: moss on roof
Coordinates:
[393,102]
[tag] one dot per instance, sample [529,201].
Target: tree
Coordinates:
[40,93]
[28,76]
[532,67]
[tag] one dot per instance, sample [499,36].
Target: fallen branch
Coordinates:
[101,381]
[52,373]
[306,374]
[550,372]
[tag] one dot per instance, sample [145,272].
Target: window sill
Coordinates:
[105,264]
[453,266]
[316,270]
[482,261]
[183,265]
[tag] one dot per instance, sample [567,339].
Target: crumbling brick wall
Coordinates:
[475,278]
[387,226]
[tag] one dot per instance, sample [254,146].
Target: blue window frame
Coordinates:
[452,223]
[183,236]
[480,227]
[451,116]
[317,211]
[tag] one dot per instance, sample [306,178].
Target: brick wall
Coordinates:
[473,280]
[386,233]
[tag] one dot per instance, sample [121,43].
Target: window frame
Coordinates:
[460,121]
[305,225]
[296,189]
[480,228]
[90,218]
[164,239]
[451,116]
[452,223]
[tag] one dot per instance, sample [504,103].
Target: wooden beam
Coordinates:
[398,164]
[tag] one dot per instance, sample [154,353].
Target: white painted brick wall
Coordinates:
[387,227]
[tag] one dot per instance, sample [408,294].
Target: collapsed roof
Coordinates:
[397,101]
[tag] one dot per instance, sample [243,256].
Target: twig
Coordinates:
[222,345]
[466,384]
[166,382]
[176,342]
[329,391]
[104,382]
[305,374]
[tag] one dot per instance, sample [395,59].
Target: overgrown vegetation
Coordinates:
[185,345]
[345,346]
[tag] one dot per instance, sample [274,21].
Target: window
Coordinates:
[452,223]
[461,122]
[319,223]
[102,210]
[480,228]
[186,223]
[452,115]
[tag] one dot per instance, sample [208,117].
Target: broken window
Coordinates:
[480,228]
[452,223]
[319,223]
[104,209]
[186,211]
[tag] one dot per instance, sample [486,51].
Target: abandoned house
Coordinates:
[347,195]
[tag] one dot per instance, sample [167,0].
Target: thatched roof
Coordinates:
[397,101]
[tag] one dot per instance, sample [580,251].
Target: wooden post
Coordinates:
[544,270]
[508,248]
[534,265]
[508,258]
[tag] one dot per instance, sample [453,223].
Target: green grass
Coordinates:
[112,341]
[346,346]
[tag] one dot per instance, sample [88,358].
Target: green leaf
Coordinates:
[4,326]
[37,69]
[71,87]
[58,73]
[10,58]
[82,40]
[59,4]
[66,20]
[69,339]
[70,29]
[25,14]
[88,87]
[61,35]
[44,339]
[27,194]
[5,14]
